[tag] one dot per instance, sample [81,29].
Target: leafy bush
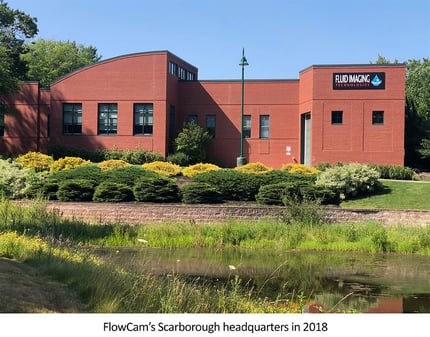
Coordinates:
[179,158]
[156,189]
[253,168]
[128,175]
[275,194]
[36,160]
[232,184]
[193,140]
[236,185]
[111,164]
[303,211]
[14,179]
[401,173]
[41,187]
[200,193]
[87,172]
[164,168]
[113,192]
[136,157]
[192,170]
[76,190]
[68,163]
[350,180]
[299,169]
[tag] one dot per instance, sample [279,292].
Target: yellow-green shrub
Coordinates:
[36,160]
[68,163]
[111,164]
[254,168]
[300,169]
[164,168]
[192,170]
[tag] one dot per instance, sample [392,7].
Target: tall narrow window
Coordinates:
[143,119]
[377,117]
[108,119]
[336,117]
[72,118]
[211,124]
[264,126]
[247,126]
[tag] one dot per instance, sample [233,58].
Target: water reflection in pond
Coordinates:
[346,281]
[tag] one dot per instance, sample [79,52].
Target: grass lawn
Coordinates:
[396,195]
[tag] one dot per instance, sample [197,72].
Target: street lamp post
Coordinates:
[241,160]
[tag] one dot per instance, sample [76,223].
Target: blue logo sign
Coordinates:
[376,81]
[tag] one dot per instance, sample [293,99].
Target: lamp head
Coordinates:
[243,60]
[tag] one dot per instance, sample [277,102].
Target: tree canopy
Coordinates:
[16,29]
[49,60]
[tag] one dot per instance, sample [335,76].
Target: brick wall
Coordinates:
[136,213]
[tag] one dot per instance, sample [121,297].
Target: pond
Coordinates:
[345,281]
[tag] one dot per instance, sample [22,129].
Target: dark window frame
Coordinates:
[145,113]
[247,125]
[111,127]
[378,117]
[337,117]
[75,126]
[263,127]
[211,125]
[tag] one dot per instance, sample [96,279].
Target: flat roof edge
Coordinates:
[353,65]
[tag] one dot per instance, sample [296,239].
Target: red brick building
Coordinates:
[332,113]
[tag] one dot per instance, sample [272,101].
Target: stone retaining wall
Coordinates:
[136,213]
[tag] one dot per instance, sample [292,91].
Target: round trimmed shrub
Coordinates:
[44,189]
[200,193]
[253,168]
[128,175]
[36,160]
[68,163]
[164,168]
[113,192]
[195,169]
[76,190]
[111,164]
[179,158]
[299,169]
[275,194]
[156,189]
[232,184]
[87,172]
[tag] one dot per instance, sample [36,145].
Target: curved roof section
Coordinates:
[116,58]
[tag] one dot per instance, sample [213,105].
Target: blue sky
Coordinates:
[280,37]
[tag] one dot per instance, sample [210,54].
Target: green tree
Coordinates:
[193,140]
[417,112]
[16,28]
[49,60]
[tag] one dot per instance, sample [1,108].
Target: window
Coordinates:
[2,111]
[173,68]
[108,119]
[247,126]
[377,117]
[336,117]
[72,118]
[143,119]
[192,119]
[264,126]
[211,124]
